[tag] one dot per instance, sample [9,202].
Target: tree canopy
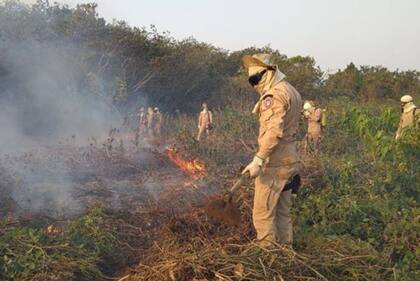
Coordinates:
[133,66]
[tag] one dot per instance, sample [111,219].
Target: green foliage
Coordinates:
[372,83]
[376,131]
[344,82]
[78,253]
[90,234]
[371,188]
[136,66]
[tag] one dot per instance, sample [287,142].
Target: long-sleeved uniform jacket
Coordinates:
[279,114]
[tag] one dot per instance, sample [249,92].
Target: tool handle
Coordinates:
[244,178]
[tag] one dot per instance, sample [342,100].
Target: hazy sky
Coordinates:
[334,32]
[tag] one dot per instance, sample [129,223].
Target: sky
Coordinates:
[334,32]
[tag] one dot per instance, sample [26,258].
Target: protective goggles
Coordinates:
[256,78]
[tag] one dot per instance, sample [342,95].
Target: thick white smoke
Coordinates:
[44,101]
[41,100]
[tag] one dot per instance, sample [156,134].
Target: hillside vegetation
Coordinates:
[131,66]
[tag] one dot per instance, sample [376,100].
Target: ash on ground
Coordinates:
[60,181]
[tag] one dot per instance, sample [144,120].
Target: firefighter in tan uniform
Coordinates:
[313,116]
[142,119]
[157,122]
[150,117]
[409,116]
[141,128]
[277,161]
[205,121]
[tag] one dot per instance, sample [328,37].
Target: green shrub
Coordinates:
[76,253]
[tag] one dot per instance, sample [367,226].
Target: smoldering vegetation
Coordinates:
[66,79]
[60,181]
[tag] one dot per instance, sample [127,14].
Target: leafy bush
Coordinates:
[371,188]
[82,251]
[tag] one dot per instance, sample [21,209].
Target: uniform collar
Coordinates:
[409,107]
[271,82]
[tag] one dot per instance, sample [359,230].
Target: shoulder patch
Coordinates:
[267,102]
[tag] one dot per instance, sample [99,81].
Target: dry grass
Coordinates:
[194,248]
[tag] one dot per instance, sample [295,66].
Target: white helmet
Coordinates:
[406,99]
[307,105]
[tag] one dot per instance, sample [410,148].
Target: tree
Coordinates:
[345,82]
[377,83]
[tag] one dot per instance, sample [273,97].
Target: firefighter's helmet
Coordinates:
[406,99]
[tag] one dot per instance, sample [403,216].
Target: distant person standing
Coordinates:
[150,117]
[142,118]
[142,125]
[313,116]
[157,122]
[205,121]
[409,115]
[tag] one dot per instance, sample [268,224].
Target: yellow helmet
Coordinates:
[307,105]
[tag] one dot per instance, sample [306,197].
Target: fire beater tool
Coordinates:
[223,209]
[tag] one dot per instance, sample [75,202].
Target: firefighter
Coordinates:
[142,118]
[313,137]
[150,120]
[409,115]
[142,125]
[157,122]
[205,121]
[276,162]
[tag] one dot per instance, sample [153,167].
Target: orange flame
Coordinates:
[52,230]
[193,168]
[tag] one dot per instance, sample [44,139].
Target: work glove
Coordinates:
[254,168]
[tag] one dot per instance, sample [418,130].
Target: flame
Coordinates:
[193,168]
[51,230]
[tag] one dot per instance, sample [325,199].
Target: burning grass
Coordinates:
[43,242]
[194,168]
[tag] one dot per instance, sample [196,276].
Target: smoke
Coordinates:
[40,185]
[41,100]
[45,100]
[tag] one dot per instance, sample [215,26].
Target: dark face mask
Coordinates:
[256,78]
